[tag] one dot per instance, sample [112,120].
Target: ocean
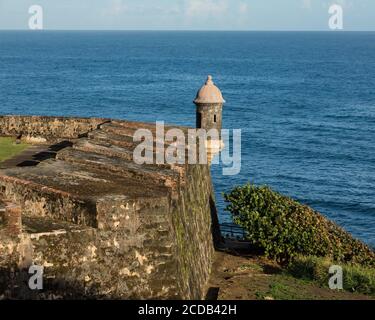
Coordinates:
[305,101]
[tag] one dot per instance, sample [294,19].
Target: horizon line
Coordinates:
[192,30]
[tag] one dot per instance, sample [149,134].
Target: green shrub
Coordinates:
[355,278]
[283,228]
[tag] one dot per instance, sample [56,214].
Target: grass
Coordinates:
[250,266]
[279,291]
[356,278]
[286,287]
[9,149]
[245,275]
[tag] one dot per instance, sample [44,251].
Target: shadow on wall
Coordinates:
[50,153]
[215,225]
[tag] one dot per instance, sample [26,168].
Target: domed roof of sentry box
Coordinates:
[209,93]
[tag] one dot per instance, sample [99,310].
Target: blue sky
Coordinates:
[188,14]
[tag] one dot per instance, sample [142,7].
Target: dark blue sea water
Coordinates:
[305,101]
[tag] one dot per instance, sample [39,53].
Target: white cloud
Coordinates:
[306,4]
[117,7]
[344,3]
[341,2]
[173,10]
[243,8]
[206,7]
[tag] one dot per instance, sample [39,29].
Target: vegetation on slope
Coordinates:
[356,278]
[301,239]
[284,228]
[240,273]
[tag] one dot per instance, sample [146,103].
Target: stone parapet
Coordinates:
[101,225]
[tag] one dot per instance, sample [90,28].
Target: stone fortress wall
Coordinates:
[48,128]
[101,225]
